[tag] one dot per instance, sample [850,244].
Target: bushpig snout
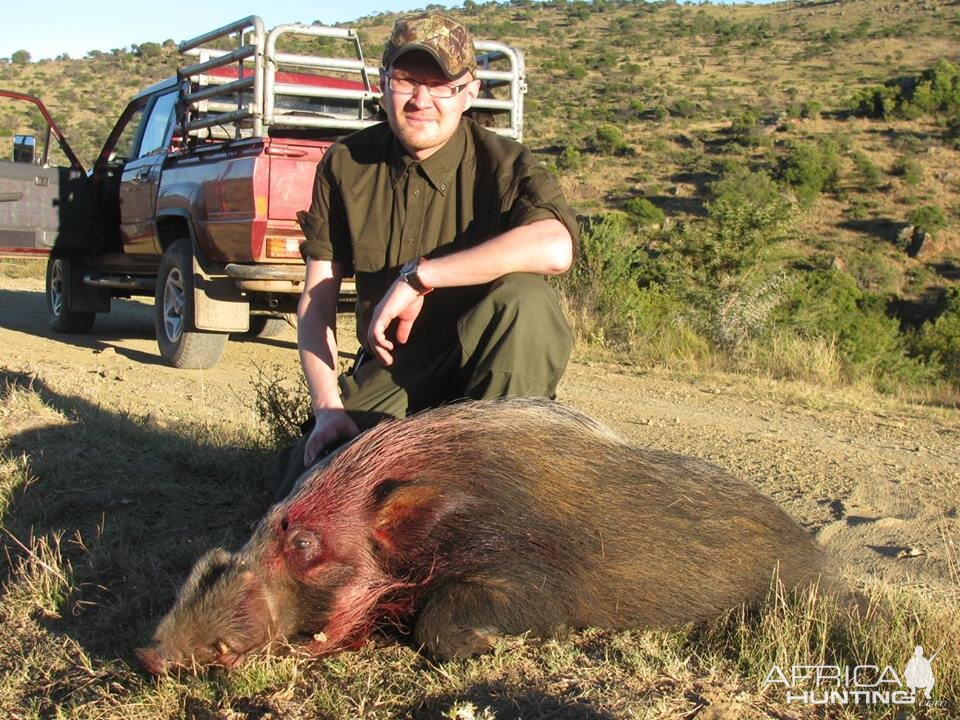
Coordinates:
[221,613]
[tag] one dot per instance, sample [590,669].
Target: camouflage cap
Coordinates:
[447,41]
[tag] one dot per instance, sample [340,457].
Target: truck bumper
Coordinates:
[276,279]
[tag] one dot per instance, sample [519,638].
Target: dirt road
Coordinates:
[876,479]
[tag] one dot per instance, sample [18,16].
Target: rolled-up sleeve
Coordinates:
[538,197]
[326,236]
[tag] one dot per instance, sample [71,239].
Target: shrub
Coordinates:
[684,108]
[570,158]
[601,288]
[20,57]
[810,109]
[936,90]
[809,169]
[939,341]
[643,212]
[608,139]
[828,304]
[745,129]
[869,174]
[909,170]
[927,219]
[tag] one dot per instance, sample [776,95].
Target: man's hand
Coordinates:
[331,424]
[401,303]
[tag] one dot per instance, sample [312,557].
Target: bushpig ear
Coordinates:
[407,513]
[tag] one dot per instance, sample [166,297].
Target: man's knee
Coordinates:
[518,326]
[525,305]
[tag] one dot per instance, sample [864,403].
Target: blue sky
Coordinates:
[52,27]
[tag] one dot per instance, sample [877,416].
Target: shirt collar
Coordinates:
[439,168]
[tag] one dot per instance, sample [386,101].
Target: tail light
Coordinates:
[283,247]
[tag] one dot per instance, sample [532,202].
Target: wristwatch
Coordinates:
[408,273]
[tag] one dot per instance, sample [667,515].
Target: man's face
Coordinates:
[423,123]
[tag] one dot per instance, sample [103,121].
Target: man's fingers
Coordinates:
[403,330]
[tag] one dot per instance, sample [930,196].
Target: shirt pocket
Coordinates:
[369,258]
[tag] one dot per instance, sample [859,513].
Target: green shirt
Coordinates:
[374,208]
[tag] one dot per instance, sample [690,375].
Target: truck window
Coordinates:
[159,122]
[126,146]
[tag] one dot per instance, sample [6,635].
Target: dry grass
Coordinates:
[23,268]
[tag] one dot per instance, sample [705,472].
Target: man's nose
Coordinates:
[421,96]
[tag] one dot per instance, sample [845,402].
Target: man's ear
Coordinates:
[383,88]
[407,514]
[472,91]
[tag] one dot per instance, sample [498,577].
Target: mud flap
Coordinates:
[219,305]
[80,297]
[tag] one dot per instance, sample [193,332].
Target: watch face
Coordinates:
[409,274]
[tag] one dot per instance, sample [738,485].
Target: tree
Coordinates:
[20,57]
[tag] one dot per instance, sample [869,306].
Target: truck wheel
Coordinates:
[264,326]
[61,319]
[181,344]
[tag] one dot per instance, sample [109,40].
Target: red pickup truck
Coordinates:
[193,198]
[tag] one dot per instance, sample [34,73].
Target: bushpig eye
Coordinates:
[304,547]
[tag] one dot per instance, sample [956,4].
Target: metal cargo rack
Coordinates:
[253,87]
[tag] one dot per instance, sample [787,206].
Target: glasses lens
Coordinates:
[442,91]
[404,86]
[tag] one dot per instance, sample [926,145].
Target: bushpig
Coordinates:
[480,519]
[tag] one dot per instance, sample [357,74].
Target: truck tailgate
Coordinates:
[292,169]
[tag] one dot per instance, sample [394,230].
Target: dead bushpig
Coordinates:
[485,518]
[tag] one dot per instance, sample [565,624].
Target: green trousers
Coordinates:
[514,341]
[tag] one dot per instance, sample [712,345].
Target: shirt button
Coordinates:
[443,186]
[416,193]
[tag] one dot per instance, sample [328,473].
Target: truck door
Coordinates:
[44,198]
[141,177]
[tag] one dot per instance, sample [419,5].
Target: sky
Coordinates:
[77,26]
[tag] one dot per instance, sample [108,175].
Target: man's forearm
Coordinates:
[316,334]
[543,248]
[317,353]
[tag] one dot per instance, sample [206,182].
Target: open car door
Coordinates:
[43,207]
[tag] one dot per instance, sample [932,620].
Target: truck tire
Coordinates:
[264,326]
[181,344]
[59,317]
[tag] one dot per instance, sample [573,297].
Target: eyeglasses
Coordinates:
[409,86]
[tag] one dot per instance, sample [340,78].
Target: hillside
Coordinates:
[632,102]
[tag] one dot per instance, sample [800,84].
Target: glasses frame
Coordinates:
[456,89]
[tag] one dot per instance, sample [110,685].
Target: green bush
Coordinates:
[809,169]
[684,108]
[869,174]
[927,219]
[608,139]
[643,212]
[745,129]
[810,109]
[936,90]
[829,304]
[939,341]
[908,170]
[601,287]
[570,158]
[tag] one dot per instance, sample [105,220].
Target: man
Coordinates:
[448,229]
